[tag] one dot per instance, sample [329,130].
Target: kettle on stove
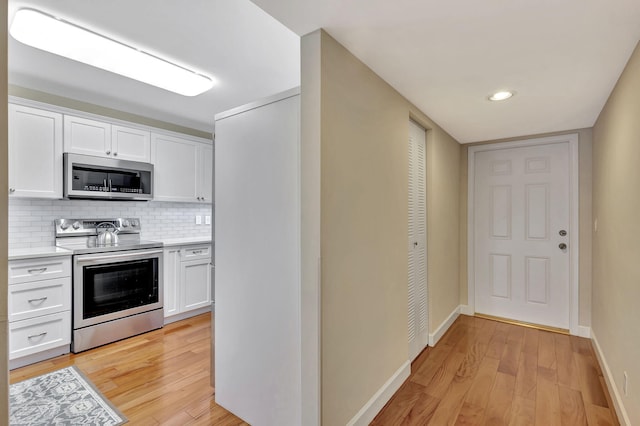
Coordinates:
[107,234]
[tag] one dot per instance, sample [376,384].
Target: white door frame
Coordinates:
[572,139]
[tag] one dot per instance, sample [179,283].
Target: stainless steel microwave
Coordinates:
[86,176]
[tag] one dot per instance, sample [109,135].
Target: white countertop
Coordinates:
[50,251]
[35,252]
[184,241]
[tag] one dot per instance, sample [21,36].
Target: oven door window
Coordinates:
[116,287]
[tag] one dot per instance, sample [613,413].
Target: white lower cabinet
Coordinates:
[39,309]
[34,299]
[187,281]
[171,279]
[34,335]
[196,287]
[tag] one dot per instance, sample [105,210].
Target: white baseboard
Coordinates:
[623,417]
[467,310]
[369,411]
[584,331]
[437,335]
[38,357]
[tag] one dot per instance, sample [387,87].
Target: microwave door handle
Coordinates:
[109,184]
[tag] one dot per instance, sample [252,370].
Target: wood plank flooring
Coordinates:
[484,372]
[160,377]
[481,373]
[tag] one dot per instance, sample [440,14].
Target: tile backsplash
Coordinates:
[31,220]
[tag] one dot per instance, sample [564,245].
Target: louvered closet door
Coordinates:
[418,315]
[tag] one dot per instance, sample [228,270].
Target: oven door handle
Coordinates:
[128,254]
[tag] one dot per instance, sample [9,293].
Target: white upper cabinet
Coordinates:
[205,181]
[182,169]
[183,166]
[35,152]
[128,143]
[88,137]
[92,137]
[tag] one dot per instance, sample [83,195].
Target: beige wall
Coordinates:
[36,95]
[364,125]
[616,243]
[4,186]
[585,186]
[443,206]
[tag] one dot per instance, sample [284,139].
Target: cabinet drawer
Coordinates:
[39,334]
[195,252]
[33,299]
[21,271]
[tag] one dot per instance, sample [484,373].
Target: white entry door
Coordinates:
[521,233]
[418,319]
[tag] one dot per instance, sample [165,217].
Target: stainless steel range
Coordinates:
[117,281]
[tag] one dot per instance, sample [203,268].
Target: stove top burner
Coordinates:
[80,235]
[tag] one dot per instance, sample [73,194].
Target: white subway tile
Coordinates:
[31,222]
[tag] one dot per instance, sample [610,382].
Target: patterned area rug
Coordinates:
[62,397]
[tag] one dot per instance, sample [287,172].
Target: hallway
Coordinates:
[484,372]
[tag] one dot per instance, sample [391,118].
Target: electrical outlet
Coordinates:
[207,220]
[625,384]
[198,220]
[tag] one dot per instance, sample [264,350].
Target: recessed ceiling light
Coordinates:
[501,96]
[57,36]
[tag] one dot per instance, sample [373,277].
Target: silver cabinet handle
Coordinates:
[42,299]
[37,335]
[38,270]
[197,251]
[115,154]
[108,152]
[12,190]
[562,246]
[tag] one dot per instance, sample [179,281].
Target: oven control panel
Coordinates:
[79,227]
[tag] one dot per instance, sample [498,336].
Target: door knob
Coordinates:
[562,233]
[562,246]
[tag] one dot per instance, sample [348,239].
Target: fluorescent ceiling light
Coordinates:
[501,96]
[57,36]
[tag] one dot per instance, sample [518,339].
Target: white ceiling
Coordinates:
[561,57]
[251,55]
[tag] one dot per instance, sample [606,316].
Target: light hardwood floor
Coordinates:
[484,372]
[160,377]
[481,373]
